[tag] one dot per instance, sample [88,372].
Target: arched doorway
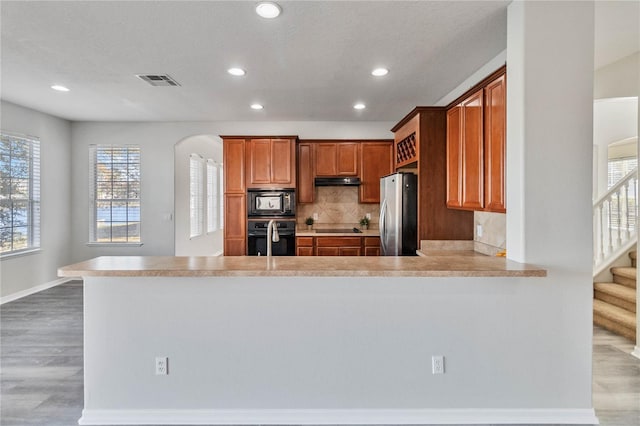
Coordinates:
[198,196]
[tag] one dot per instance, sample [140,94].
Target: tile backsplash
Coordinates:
[338,205]
[494,232]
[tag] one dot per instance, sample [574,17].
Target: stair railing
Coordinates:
[614,221]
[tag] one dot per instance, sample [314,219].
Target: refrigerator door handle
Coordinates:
[383,226]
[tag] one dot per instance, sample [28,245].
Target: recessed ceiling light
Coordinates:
[379,72]
[256,106]
[268,9]
[59,88]
[236,71]
[359,106]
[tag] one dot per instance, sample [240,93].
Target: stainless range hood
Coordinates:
[337,181]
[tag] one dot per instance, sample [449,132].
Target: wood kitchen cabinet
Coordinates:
[336,159]
[371,246]
[235,205]
[338,246]
[495,132]
[306,173]
[421,148]
[271,163]
[476,135]
[304,246]
[465,177]
[376,160]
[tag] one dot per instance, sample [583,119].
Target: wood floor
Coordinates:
[41,364]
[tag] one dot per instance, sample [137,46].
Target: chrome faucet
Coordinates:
[272,235]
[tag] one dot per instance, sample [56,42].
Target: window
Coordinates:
[196,194]
[115,193]
[619,167]
[212,196]
[19,194]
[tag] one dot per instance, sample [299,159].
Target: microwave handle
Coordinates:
[287,202]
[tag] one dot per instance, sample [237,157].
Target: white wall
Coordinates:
[23,272]
[614,119]
[619,79]
[207,244]
[157,141]
[549,170]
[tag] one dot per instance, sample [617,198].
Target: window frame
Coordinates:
[94,150]
[33,198]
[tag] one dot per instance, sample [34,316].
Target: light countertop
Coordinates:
[434,264]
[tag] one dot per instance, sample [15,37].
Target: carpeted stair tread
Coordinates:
[616,294]
[625,275]
[620,316]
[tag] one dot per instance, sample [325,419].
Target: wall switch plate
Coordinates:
[162,365]
[437,364]
[315,216]
[368,216]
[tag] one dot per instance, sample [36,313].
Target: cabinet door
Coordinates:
[283,166]
[376,160]
[347,159]
[495,145]
[235,220]
[349,251]
[233,157]
[259,161]
[372,251]
[325,154]
[304,251]
[306,190]
[473,152]
[454,161]
[328,251]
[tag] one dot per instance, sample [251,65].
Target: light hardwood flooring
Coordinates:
[41,364]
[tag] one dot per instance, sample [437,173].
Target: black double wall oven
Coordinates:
[264,205]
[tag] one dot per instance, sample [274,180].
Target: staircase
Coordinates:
[614,303]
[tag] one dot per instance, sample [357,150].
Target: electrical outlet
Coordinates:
[368,216]
[315,216]
[479,230]
[437,364]
[162,365]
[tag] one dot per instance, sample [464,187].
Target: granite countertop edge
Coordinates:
[434,265]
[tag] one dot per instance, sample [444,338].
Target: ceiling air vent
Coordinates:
[158,80]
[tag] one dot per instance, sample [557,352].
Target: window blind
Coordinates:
[19,193]
[114,191]
[196,194]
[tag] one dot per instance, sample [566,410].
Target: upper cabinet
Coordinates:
[336,159]
[476,134]
[306,173]
[376,160]
[420,148]
[271,163]
[367,159]
[495,131]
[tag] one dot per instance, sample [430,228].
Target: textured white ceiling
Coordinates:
[312,63]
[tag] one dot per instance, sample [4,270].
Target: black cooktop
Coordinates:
[338,231]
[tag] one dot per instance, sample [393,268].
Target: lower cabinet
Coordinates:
[304,246]
[338,246]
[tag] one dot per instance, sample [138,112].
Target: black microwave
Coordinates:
[271,202]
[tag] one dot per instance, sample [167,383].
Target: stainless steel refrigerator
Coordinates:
[399,214]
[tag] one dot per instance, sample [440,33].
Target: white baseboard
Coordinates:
[32,290]
[343,417]
[636,352]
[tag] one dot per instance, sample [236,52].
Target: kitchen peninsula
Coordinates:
[291,340]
